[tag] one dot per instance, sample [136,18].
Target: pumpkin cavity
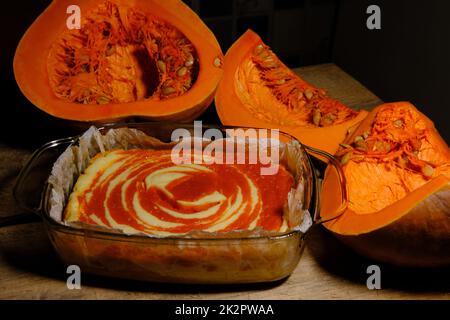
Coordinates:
[119,55]
[274,93]
[396,155]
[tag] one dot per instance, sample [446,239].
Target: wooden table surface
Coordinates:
[29,269]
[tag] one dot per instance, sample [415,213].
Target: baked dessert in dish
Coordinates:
[117,204]
[143,191]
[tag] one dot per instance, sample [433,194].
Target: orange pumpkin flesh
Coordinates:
[397,170]
[258,90]
[154,59]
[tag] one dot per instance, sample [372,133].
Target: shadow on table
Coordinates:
[31,251]
[337,259]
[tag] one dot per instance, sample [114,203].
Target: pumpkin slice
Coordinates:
[397,170]
[258,90]
[154,59]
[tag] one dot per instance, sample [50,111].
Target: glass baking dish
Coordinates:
[172,259]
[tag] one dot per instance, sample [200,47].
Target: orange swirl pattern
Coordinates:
[144,191]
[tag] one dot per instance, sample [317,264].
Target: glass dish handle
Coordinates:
[31,181]
[320,155]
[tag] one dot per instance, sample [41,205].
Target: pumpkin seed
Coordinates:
[217,62]
[167,90]
[382,146]
[280,81]
[182,71]
[300,95]
[361,145]
[398,123]
[358,138]
[308,94]
[189,61]
[161,66]
[377,146]
[270,63]
[328,119]
[346,158]
[346,146]
[102,100]
[316,117]
[427,170]
[358,158]
[366,134]
[259,48]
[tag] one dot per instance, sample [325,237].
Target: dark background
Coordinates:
[408,59]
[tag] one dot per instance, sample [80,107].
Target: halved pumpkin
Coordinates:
[149,58]
[397,171]
[258,90]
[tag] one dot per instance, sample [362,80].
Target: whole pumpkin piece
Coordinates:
[397,171]
[258,90]
[154,59]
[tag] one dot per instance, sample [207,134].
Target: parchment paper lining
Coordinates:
[75,159]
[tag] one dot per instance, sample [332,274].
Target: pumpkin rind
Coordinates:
[421,237]
[30,65]
[232,111]
[412,231]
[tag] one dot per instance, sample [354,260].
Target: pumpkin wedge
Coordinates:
[148,58]
[397,171]
[258,90]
